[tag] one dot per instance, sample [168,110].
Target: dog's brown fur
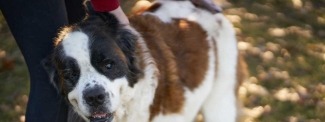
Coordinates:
[174,45]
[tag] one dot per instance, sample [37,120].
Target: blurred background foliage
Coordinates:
[281,40]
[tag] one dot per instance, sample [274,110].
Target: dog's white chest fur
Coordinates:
[136,101]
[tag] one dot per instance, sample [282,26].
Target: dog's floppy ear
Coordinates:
[127,43]
[89,7]
[49,67]
[109,19]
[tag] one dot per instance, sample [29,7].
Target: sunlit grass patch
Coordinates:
[283,45]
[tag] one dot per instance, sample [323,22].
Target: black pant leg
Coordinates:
[34,24]
[76,10]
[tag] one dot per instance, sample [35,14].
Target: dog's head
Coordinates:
[91,63]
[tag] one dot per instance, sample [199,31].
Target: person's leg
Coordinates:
[34,24]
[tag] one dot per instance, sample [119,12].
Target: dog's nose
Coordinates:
[95,96]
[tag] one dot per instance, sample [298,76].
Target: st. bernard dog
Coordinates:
[178,61]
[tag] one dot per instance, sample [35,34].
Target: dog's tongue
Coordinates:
[98,115]
[101,117]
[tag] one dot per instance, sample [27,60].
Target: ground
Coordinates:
[281,40]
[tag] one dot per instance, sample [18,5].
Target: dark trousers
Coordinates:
[34,24]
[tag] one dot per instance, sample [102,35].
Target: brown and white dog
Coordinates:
[178,61]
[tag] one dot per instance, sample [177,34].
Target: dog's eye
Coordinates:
[109,65]
[69,75]
[73,76]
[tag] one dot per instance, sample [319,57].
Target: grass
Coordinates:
[14,78]
[283,44]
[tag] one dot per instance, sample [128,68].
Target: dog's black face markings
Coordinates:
[105,57]
[69,73]
[107,37]
[64,71]
[111,53]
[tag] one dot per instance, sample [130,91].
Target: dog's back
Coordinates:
[196,56]
[180,50]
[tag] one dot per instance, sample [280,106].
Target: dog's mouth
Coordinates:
[101,117]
